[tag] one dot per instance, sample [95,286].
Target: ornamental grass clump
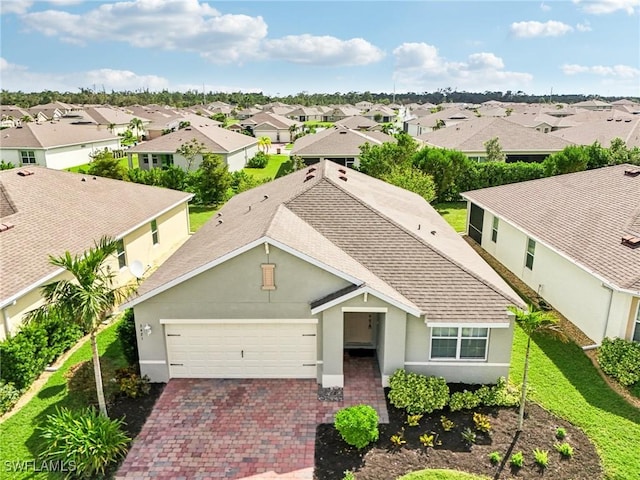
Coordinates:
[85,441]
[358,425]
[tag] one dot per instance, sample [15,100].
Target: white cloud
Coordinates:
[583,27]
[186,26]
[322,50]
[618,71]
[544,7]
[420,67]
[532,29]
[14,6]
[18,77]
[600,7]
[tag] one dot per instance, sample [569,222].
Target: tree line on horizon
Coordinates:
[247,99]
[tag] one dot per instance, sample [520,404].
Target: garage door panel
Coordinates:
[233,350]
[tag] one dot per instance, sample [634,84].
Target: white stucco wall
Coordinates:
[71,156]
[574,292]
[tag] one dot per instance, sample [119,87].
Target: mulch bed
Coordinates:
[382,460]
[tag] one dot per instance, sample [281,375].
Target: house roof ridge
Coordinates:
[422,241]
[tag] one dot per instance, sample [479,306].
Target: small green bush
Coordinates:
[132,384]
[414,420]
[81,381]
[541,457]
[564,449]
[463,400]
[128,337]
[24,356]
[495,458]
[358,425]
[447,425]
[469,436]
[517,460]
[499,395]
[416,393]
[9,396]
[260,160]
[348,475]
[482,422]
[83,440]
[620,359]
[561,433]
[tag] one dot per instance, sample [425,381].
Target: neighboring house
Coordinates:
[518,143]
[271,125]
[434,121]
[47,212]
[116,121]
[305,114]
[357,123]
[380,114]
[12,115]
[573,239]
[603,131]
[234,148]
[340,113]
[338,144]
[593,105]
[291,273]
[55,145]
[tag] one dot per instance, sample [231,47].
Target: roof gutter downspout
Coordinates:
[606,323]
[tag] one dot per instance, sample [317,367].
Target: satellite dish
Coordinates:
[137,269]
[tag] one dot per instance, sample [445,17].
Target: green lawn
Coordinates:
[123,161]
[19,439]
[271,170]
[199,214]
[455,213]
[441,475]
[317,123]
[565,382]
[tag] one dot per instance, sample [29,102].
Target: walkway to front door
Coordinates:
[243,429]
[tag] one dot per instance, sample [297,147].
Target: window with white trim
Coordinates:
[27,157]
[494,229]
[636,331]
[122,256]
[459,343]
[531,252]
[154,232]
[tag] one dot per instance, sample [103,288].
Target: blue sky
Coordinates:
[280,48]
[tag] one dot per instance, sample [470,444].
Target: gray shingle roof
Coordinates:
[380,236]
[338,141]
[47,135]
[54,211]
[583,215]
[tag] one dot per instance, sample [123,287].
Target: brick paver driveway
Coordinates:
[240,429]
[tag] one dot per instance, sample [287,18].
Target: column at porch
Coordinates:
[395,337]
[332,348]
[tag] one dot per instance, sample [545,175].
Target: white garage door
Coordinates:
[247,350]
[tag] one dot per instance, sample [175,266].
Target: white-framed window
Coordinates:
[636,330]
[531,252]
[459,343]
[28,157]
[494,229]
[154,232]
[122,256]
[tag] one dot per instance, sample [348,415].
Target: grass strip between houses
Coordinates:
[564,381]
[19,436]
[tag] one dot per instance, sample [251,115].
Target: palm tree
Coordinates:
[111,127]
[137,125]
[532,322]
[87,298]
[293,128]
[264,143]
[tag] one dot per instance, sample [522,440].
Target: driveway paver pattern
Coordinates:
[242,428]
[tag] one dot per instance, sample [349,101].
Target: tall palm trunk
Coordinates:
[523,396]
[102,404]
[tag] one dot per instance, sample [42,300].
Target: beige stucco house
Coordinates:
[47,212]
[290,274]
[573,239]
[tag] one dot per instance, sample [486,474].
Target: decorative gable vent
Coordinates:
[632,173]
[268,276]
[631,241]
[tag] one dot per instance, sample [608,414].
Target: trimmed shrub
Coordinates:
[358,425]
[499,395]
[128,337]
[260,160]
[24,356]
[416,393]
[463,400]
[81,381]
[620,359]
[132,384]
[84,441]
[9,396]
[61,335]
